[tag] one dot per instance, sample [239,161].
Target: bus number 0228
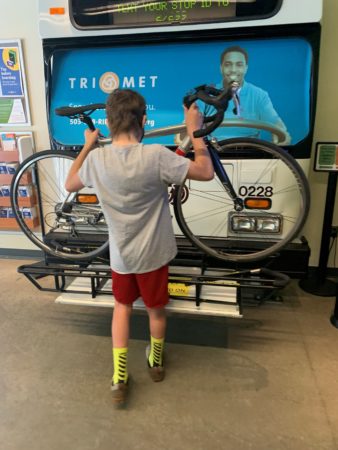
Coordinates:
[256,191]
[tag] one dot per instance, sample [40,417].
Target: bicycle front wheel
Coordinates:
[275,195]
[72,226]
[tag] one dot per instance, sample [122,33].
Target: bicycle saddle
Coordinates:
[75,110]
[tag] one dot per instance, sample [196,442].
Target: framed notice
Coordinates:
[326,159]
[14,107]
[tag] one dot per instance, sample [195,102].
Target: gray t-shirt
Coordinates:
[131,183]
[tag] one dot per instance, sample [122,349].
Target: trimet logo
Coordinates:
[109,81]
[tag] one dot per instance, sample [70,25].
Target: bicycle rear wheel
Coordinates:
[72,226]
[276,198]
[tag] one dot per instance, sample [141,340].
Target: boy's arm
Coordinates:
[201,168]
[73,182]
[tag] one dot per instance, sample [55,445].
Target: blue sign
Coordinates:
[10,73]
[163,74]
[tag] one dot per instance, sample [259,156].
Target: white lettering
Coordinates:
[83,83]
[141,81]
[128,83]
[72,80]
[153,79]
[150,123]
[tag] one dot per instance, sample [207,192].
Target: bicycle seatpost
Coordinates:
[101,140]
[87,120]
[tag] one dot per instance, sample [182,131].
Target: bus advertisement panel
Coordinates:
[82,76]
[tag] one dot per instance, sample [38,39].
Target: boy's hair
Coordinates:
[237,49]
[125,110]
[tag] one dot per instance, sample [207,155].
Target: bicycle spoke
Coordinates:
[71,229]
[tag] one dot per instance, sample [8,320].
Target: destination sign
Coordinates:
[125,13]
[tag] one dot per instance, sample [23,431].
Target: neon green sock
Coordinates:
[156,352]
[120,360]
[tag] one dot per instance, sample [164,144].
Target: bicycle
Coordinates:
[239,216]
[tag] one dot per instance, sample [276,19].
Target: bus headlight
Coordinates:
[268,224]
[243,223]
[255,223]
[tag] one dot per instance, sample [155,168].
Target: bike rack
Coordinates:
[196,285]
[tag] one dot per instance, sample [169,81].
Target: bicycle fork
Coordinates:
[218,167]
[223,176]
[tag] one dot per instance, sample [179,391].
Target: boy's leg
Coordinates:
[157,322]
[120,324]
[120,337]
[153,287]
[157,326]
[125,291]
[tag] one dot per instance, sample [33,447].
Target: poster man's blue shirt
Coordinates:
[255,105]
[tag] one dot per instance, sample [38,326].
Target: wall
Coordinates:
[326,127]
[20,20]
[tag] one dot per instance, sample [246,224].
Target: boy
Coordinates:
[131,182]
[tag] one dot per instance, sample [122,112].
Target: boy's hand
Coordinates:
[91,138]
[193,118]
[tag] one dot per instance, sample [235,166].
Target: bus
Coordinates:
[164,48]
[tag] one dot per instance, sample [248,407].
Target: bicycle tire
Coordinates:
[207,225]
[52,236]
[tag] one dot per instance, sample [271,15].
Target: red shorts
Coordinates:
[151,286]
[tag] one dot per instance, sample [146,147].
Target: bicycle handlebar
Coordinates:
[212,96]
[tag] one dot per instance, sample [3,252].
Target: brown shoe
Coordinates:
[119,393]
[156,373]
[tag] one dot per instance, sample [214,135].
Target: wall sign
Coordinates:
[14,108]
[326,159]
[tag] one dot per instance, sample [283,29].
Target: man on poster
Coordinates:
[254,103]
